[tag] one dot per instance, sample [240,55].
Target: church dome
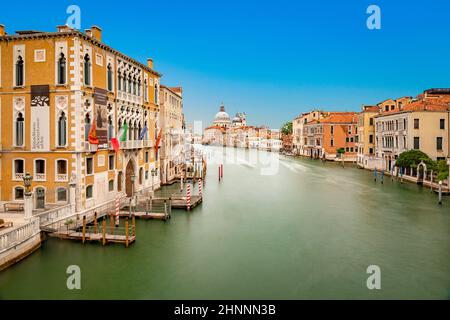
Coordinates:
[222,116]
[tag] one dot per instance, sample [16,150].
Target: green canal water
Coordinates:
[309,231]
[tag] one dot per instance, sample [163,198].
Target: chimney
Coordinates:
[96,33]
[150,63]
[88,32]
[63,28]
[2,30]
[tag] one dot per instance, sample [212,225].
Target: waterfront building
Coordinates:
[299,138]
[421,124]
[334,131]
[171,153]
[366,138]
[55,87]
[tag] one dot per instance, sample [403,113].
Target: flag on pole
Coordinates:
[158,140]
[142,134]
[92,138]
[122,137]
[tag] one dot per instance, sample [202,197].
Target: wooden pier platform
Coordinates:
[77,235]
[144,215]
[179,202]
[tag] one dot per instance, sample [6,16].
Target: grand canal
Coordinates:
[308,231]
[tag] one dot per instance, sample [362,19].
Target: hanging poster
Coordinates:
[101,117]
[40,118]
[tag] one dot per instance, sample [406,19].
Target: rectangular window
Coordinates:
[416,143]
[89,166]
[146,175]
[111,185]
[332,129]
[111,162]
[439,143]
[146,157]
[371,121]
[371,138]
[370,150]
[416,123]
[18,193]
[442,123]
[89,192]
[62,194]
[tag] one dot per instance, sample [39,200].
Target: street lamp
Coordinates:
[27,183]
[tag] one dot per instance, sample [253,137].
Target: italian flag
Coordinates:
[122,137]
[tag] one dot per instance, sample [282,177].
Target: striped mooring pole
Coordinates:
[219,172]
[200,187]
[181,184]
[117,211]
[188,196]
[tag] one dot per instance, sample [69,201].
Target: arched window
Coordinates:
[61,170]
[20,128]
[141,173]
[110,78]
[129,84]
[62,130]
[39,170]
[124,79]
[145,90]
[19,71]
[130,132]
[156,94]
[139,88]
[87,70]
[119,81]
[110,128]
[134,86]
[119,182]
[87,126]
[62,69]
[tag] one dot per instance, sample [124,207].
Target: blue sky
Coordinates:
[270,59]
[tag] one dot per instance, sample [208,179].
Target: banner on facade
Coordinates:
[101,116]
[40,118]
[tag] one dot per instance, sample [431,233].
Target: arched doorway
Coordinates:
[128,183]
[421,171]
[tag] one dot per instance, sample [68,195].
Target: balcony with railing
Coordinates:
[62,177]
[19,176]
[40,177]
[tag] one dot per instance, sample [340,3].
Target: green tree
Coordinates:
[286,129]
[442,170]
[412,158]
[340,151]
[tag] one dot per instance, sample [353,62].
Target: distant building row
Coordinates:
[236,133]
[375,137]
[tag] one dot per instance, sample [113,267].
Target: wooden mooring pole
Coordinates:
[111,223]
[84,229]
[95,222]
[133,222]
[104,230]
[126,232]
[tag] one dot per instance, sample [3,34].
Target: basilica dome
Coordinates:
[222,118]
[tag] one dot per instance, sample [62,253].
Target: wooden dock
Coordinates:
[144,215]
[98,237]
[99,232]
[180,201]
